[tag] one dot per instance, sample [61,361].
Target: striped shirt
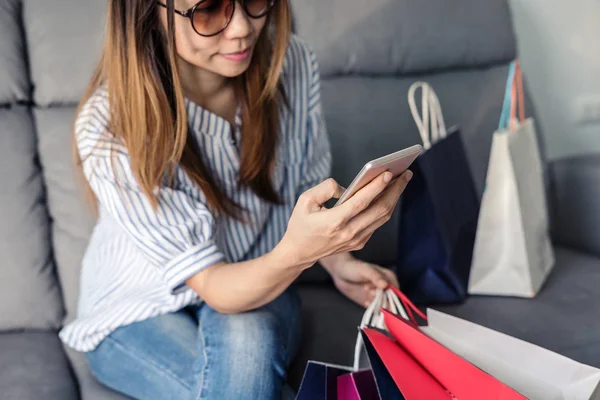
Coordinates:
[138,257]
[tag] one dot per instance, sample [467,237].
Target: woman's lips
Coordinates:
[239,56]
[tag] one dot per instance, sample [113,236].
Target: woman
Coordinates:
[202,140]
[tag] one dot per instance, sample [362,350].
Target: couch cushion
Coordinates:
[64,41]
[89,387]
[563,318]
[576,185]
[329,328]
[369,117]
[14,85]
[29,293]
[405,36]
[33,366]
[72,221]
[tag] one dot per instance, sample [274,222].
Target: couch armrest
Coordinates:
[575,203]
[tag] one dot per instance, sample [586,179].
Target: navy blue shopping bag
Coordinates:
[438,216]
[320,381]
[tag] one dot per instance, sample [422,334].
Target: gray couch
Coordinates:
[370,52]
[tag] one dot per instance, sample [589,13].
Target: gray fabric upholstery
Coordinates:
[576,184]
[383,36]
[461,48]
[563,316]
[29,293]
[330,323]
[34,367]
[14,85]
[64,39]
[72,218]
[369,117]
[89,387]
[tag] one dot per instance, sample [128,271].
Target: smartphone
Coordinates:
[397,163]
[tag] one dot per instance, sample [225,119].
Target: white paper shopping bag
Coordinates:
[535,372]
[513,253]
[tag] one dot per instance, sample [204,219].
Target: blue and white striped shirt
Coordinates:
[138,257]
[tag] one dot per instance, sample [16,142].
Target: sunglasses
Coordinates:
[211,17]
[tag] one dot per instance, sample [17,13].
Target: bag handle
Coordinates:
[431,110]
[517,98]
[513,96]
[393,300]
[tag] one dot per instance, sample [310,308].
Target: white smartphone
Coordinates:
[396,163]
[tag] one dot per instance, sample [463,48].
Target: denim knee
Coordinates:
[247,354]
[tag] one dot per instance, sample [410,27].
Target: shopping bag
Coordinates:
[438,211]
[357,386]
[386,361]
[407,364]
[391,299]
[397,374]
[320,381]
[535,372]
[456,375]
[513,253]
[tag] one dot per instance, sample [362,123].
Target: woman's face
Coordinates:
[228,53]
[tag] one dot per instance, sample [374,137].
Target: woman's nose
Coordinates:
[240,25]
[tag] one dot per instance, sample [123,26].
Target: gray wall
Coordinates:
[559,47]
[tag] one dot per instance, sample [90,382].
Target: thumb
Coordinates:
[324,191]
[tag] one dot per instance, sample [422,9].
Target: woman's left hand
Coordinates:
[359,280]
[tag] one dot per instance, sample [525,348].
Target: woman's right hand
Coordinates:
[315,231]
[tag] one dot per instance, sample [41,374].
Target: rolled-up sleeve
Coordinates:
[177,236]
[317,165]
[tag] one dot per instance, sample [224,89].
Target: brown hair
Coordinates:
[147,109]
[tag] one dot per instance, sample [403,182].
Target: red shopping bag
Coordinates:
[456,375]
[398,375]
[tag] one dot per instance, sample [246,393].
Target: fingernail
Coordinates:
[408,176]
[387,177]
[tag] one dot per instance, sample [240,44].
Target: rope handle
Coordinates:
[517,98]
[514,97]
[393,300]
[431,114]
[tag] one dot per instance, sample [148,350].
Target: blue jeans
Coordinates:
[198,353]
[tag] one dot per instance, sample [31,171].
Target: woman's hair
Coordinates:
[147,108]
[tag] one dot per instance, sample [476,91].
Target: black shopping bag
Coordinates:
[438,213]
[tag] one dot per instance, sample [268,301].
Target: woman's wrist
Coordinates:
[286,259]
[332,262]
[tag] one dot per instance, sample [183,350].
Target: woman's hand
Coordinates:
[315,232]
[357,279]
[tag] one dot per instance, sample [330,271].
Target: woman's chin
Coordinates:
[232,69]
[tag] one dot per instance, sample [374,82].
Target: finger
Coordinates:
[363,198]
[390,276]
[372,273]
[324,191]
[338,195]
[356,293]
[379,212]
[372,292]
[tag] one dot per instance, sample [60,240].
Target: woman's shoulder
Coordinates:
[92,131]
[300,64]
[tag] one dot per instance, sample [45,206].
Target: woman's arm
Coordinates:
[244,286]
[314,233]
